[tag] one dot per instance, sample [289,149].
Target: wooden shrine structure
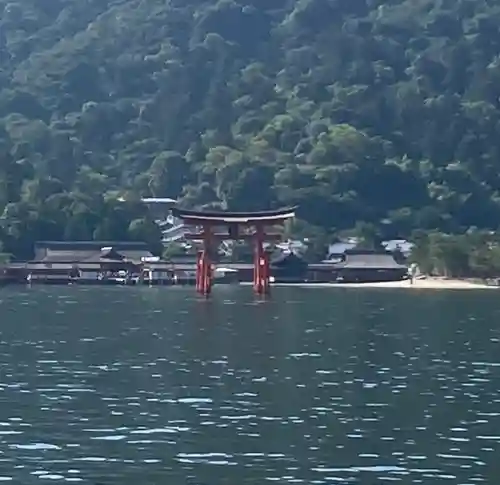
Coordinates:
[212,227]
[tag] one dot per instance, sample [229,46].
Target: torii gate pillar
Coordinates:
[204,273]
[261,272]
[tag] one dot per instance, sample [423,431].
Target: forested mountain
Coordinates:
[381,111]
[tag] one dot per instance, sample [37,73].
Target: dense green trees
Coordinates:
[473,254]
[360,111]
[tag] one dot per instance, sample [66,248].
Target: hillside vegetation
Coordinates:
[376,111]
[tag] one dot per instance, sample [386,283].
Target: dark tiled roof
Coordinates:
[90,245]
[78,251]
[91,255]
[373,261]
[39,265]
[52,256]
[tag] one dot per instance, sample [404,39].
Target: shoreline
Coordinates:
[429,283]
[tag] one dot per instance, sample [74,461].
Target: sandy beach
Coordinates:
[426,283]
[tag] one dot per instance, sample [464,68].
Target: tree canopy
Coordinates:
[381,112]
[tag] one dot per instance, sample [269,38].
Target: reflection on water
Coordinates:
[153,386]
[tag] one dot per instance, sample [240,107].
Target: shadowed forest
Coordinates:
[366,113]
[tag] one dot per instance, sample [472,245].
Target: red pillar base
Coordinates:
[203,274]
[199,269]
[262,285]
[261,272]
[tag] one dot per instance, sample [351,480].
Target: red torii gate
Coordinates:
[239,226]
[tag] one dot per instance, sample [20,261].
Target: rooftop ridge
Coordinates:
[188,215]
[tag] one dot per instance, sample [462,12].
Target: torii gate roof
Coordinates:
[225,217]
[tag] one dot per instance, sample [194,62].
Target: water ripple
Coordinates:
[125,387]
